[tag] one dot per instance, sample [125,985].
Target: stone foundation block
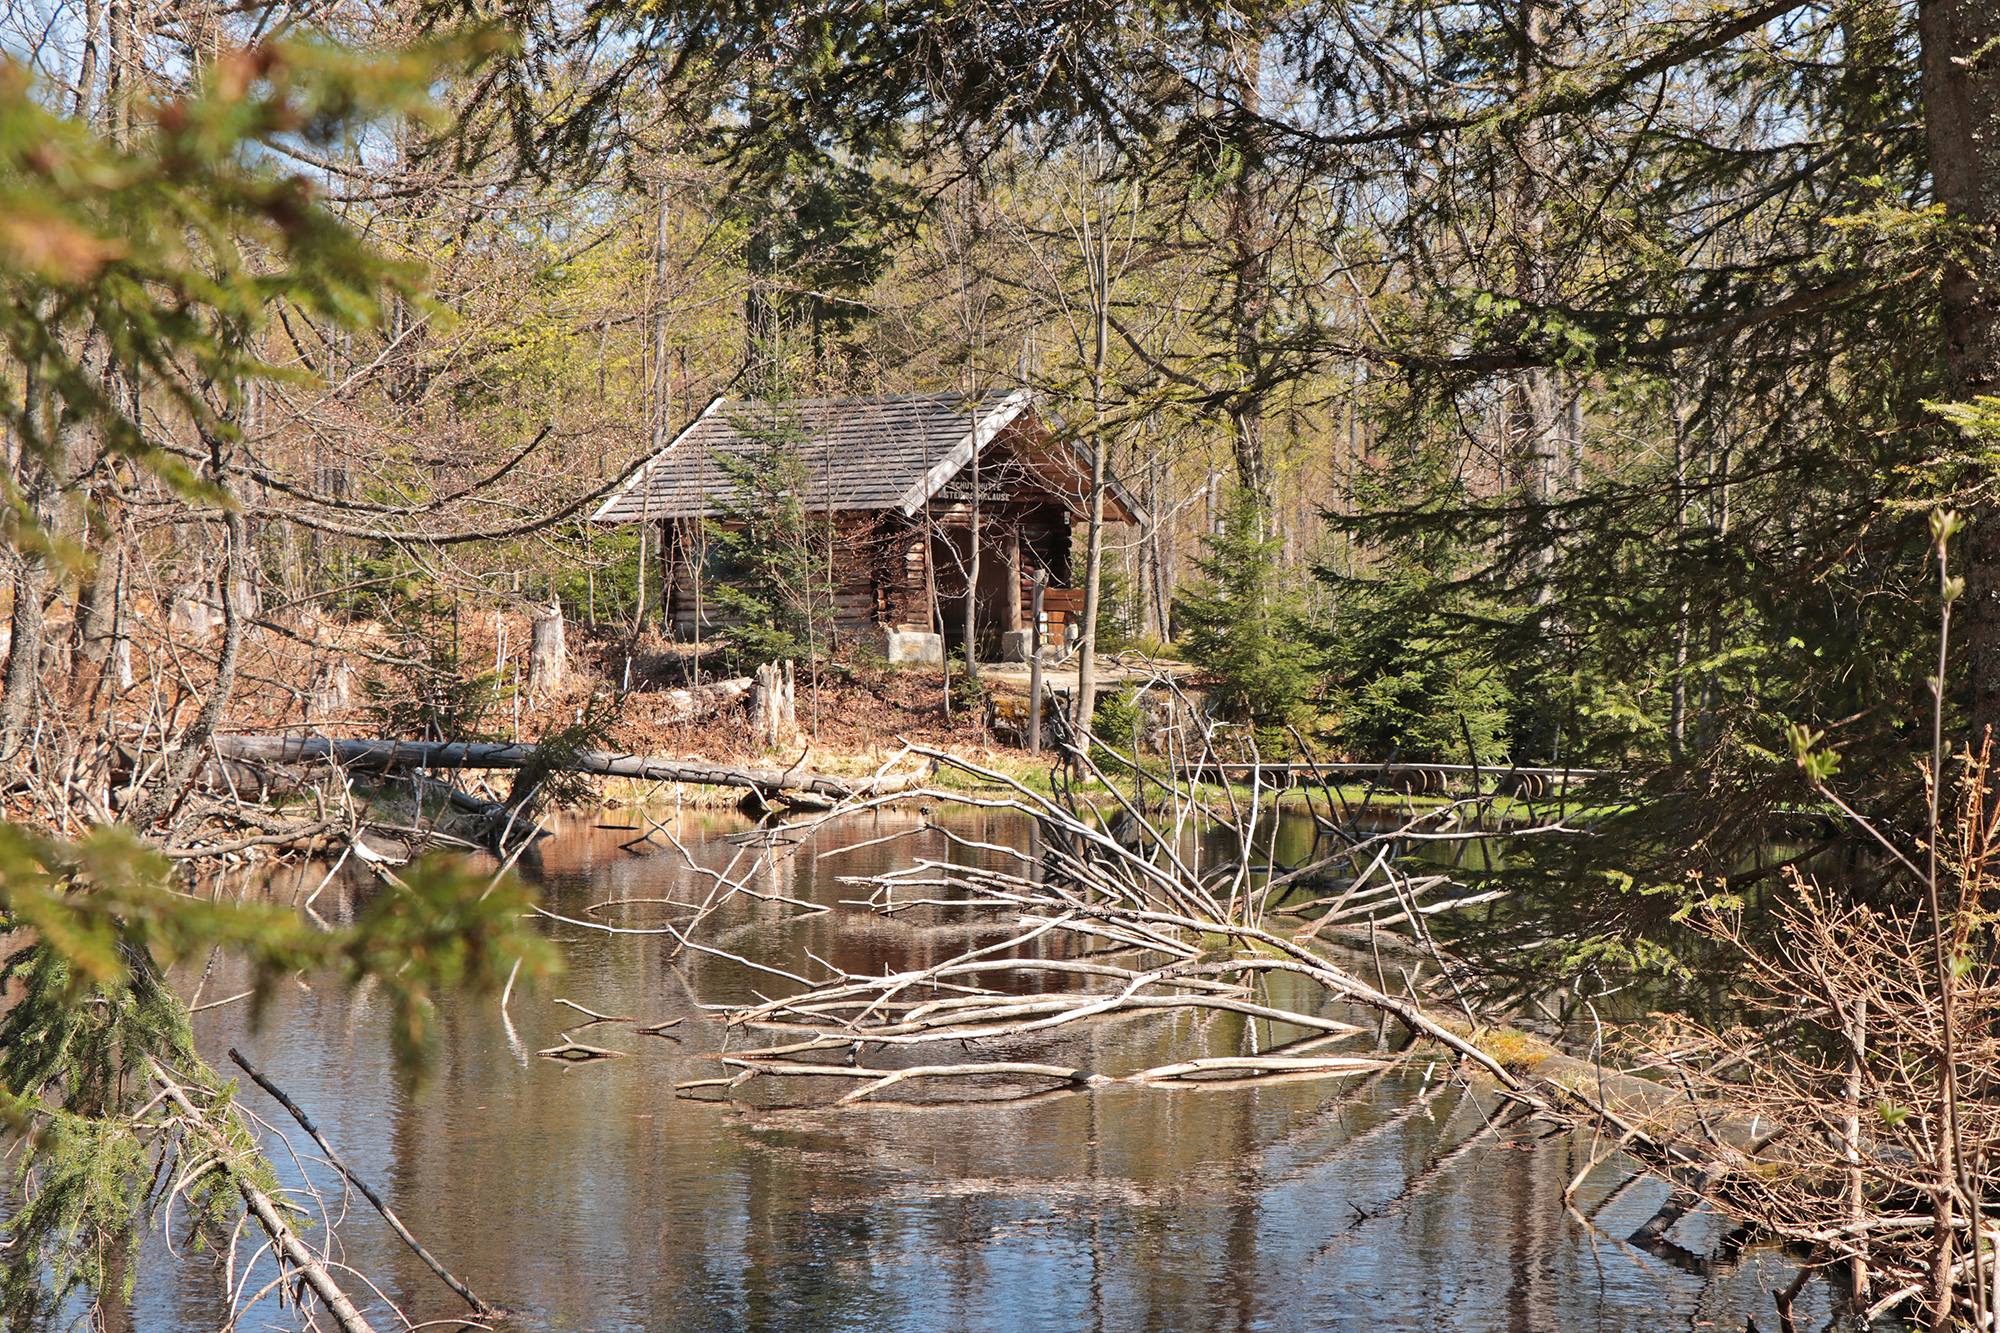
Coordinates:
[912,647]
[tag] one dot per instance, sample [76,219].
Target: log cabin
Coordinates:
[905,482]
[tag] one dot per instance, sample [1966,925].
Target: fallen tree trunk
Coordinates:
[386,754]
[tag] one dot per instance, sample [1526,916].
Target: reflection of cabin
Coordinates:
[899,477]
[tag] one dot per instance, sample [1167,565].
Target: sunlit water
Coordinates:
[593,1197]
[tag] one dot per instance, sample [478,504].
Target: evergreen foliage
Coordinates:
[87,1010]
[819,235]
[773,562]
[1115,598]
[1665,284]
[1644,314]
[549,778]
[1413,655]
[597,574]
[438,696]
[1114,727]
[1414,675]
[1239,624]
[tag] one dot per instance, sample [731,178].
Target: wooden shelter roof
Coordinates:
[866,454]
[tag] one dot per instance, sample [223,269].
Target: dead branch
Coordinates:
[465,1293]
[295,1251]
[576,1052]
[593,1015]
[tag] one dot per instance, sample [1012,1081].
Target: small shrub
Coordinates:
[969,693]
[1415,673]
[435,699]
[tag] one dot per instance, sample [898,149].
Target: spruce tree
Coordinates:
[1239,624]
[775,557]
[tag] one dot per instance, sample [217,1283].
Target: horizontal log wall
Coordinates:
[902,575]
[882,567]
[857,595]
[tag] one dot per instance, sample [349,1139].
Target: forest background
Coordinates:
[1576,370]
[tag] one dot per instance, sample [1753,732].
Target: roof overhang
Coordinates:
[982,433]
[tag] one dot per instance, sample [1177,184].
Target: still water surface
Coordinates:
[594,1198]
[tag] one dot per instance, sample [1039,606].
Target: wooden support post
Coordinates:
[669,529]
[1013,611]
[673,551]
[1035,665]
[935,623]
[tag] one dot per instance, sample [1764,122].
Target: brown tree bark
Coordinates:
[1961,82]
[1246,239]
[99,617]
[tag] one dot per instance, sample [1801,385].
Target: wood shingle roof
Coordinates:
[862,453]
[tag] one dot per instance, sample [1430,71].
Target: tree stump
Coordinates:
[773,711]
[331,693]
[548,658]
[193,612]
[245,598]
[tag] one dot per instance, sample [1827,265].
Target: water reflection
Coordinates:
[593,1198]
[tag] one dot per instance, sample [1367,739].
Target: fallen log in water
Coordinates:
[386,754]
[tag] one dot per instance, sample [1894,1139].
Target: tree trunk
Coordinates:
[972,580]
[24,654]
[1093,578]
[663,405]
[332,691]
[31,582]
[1536,427]
[1035,664]
[192,609]
[1246,226]
[1093,558]
[99,616]
[1961,82]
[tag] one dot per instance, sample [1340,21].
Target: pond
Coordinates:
[595,1197]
